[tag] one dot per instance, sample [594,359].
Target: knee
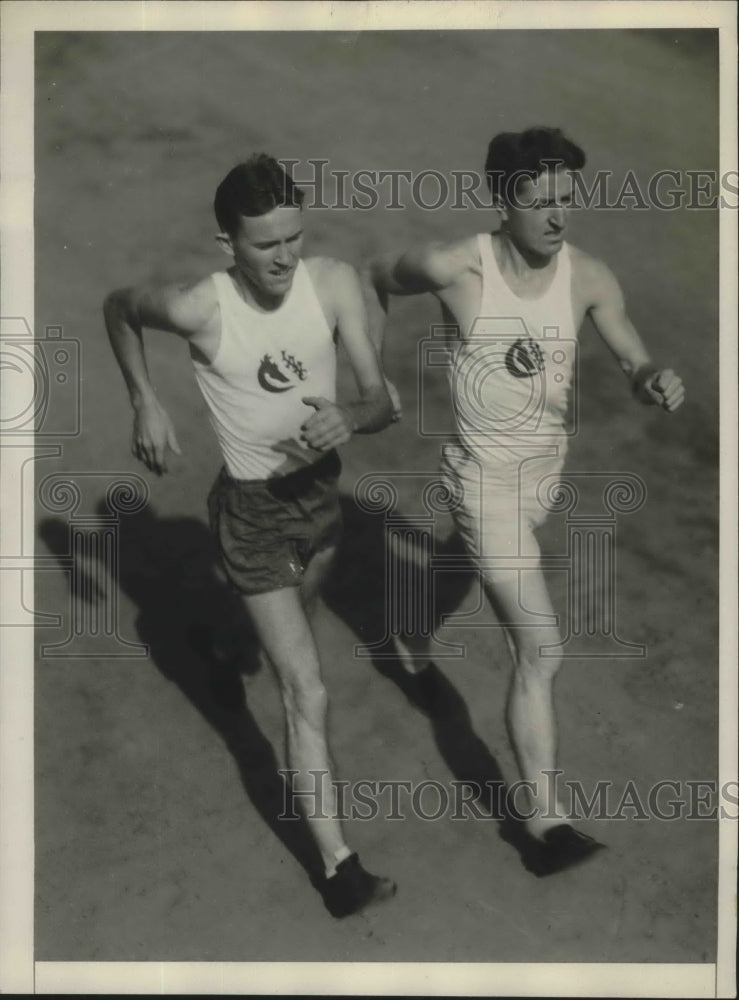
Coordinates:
[305,701]
[536,663]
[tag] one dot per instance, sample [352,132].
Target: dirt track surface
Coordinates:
[155,830]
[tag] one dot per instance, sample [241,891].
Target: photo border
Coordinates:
[19,971]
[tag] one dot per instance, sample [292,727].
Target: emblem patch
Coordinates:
[524,358]
[271,378]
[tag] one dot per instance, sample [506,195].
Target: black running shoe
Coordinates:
[561,848]
[352,888]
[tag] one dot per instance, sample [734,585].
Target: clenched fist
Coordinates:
[329,426]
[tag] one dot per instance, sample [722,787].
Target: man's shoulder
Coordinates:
[199,292]
[189,306]
[458,254]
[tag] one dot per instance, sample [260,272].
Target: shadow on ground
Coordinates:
[168,569]
[357,593]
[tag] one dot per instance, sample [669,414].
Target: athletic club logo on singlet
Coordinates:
[524,358]
[273,379]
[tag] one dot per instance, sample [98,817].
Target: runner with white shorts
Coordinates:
[516,299]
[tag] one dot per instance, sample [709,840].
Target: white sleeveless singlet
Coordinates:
[511,375]
[265,364]
[510,382]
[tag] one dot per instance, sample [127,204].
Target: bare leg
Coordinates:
[519,596]
[283,629]
[315,576]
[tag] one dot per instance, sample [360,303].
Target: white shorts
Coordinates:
[498,503]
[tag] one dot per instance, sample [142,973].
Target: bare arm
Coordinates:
[430,267]
[186,311]
[332,424]
[651,384]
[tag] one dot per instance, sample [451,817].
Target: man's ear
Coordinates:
[500,207]
[224,242]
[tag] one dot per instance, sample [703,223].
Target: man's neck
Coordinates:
[519,262]
[254,297]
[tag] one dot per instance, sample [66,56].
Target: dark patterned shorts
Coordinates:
[269,529]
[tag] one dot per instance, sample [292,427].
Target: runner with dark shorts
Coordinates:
[262,340]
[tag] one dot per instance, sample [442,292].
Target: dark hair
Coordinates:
[515,156]
[254,188]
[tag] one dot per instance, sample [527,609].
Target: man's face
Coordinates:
[537,221]
[266,250]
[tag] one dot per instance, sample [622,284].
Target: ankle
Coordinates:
[540,825]
[332,861]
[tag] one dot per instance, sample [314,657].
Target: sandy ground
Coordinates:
[156,836]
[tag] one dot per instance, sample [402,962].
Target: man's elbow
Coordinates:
[114,302]
[370,277]
[386,410]
[119,306]
[381,274]
[365,272]
[379,410]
